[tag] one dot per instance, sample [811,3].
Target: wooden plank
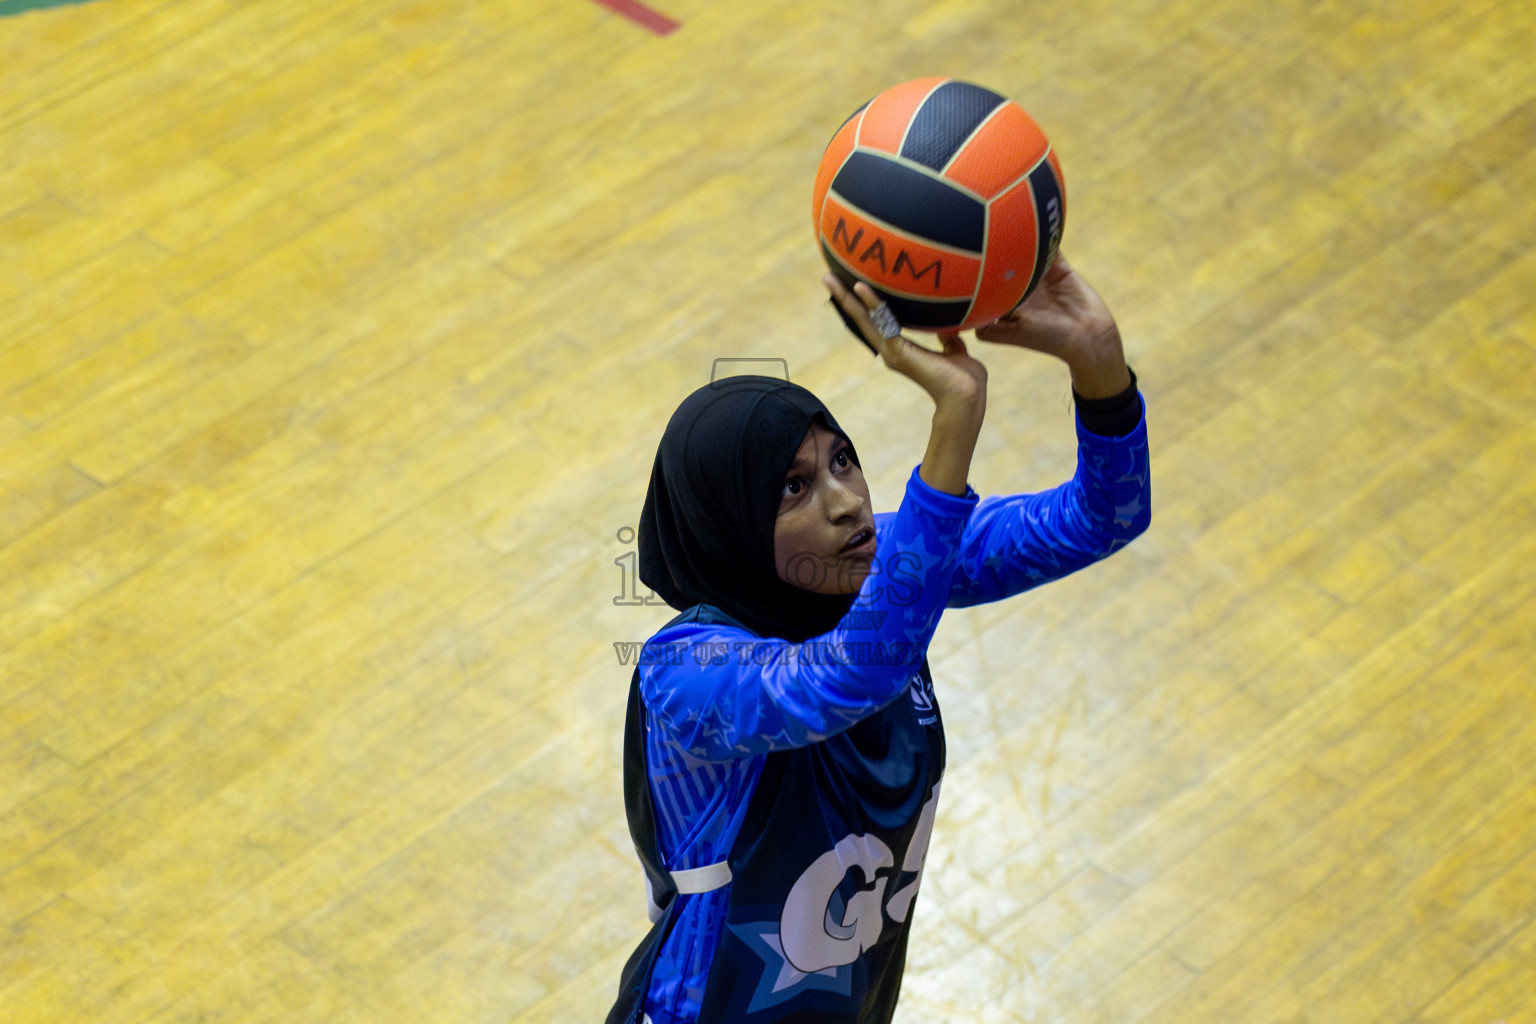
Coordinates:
[334,345]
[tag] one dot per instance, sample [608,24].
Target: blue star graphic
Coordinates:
[1125,515]
[780,981]
[780,740]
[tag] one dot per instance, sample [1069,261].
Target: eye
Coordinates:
[793,486]
[840,460]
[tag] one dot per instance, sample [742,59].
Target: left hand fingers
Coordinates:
[867,312]
[879,313]
[856,307]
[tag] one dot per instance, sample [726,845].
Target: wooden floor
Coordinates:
[335,342]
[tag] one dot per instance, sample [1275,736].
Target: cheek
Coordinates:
[791,541]
[784,546]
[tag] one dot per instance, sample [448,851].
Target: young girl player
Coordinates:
[784,748]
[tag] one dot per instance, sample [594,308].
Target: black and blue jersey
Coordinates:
[781,794]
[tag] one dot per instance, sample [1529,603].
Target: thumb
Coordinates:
[998,330]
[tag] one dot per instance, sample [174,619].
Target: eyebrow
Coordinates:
[839,442]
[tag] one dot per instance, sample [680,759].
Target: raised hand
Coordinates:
[956,382]
[1065,317]
[948,374]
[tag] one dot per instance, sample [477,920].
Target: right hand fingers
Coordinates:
[1003,329]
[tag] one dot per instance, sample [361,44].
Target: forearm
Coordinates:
[1015,543]
[946,464]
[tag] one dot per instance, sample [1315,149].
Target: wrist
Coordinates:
[1098,365]
[960,405]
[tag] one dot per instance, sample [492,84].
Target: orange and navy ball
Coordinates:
[944,197]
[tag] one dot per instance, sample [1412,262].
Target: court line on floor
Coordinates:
[641,15]
[9,7]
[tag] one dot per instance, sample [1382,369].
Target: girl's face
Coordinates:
[824,536]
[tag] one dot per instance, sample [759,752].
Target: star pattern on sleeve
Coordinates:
[1125,515]
[1018,542]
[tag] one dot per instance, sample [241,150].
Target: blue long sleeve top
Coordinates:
[720,698]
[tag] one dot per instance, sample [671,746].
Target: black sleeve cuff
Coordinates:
[1115,416]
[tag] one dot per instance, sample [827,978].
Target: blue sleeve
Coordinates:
[1015,543]
[722,692]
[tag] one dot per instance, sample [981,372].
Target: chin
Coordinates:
[855,577]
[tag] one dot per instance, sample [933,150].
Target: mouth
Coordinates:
[862,542]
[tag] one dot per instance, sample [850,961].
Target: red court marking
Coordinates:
[642,15]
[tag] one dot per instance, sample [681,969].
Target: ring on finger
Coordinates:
[884,321]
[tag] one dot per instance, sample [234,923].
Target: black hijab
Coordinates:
[706,532]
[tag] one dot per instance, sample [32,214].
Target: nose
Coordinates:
[842,501]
